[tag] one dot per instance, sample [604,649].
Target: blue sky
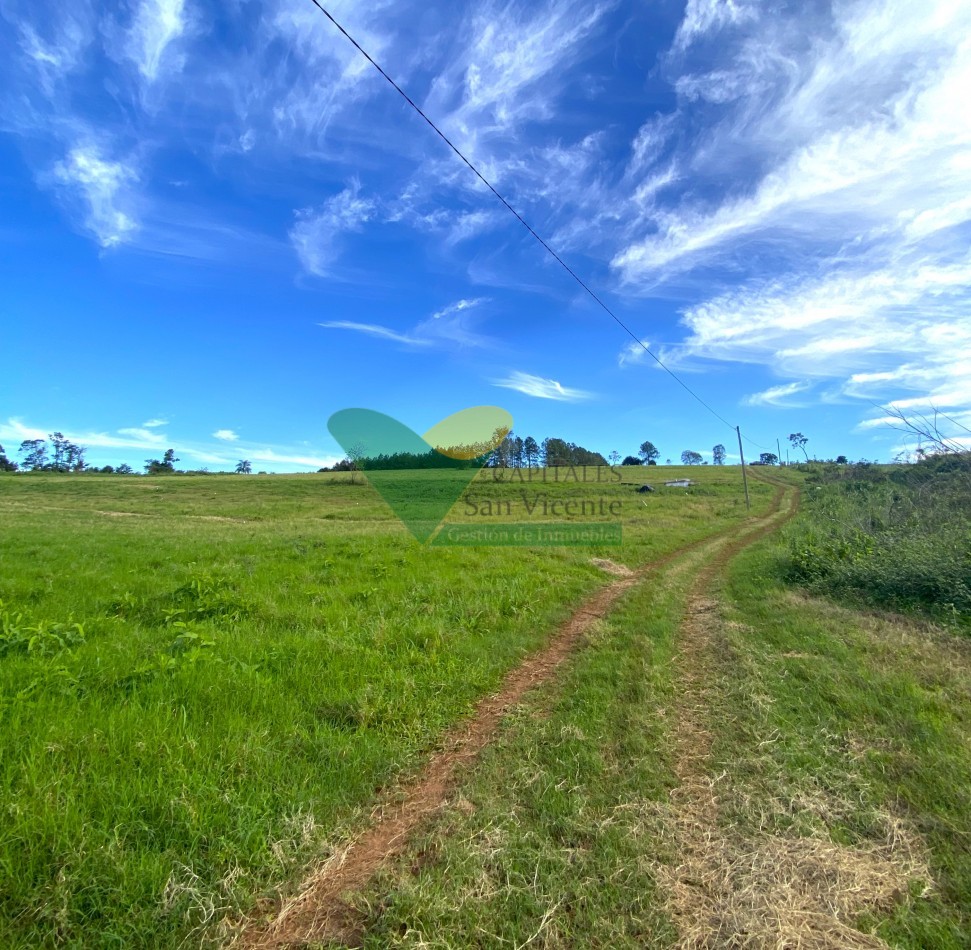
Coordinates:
[220,225]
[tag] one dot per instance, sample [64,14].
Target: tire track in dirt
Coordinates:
[735,890]
[318,911]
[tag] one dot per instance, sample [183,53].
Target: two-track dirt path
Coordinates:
[742,889]
[318,911]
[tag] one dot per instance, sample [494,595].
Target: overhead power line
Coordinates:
[520,218]
[756,444]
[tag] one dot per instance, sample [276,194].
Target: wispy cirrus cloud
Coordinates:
[144,435]
[333,79]
[541,388]
[155,423]
[459,306]
[317,234]
[776,395]
[509,71]
[55,47]
[633,353]
[452,326]
[831,196]
[102,187]
[703,17]
[151,39]
[905,325]
[374,329]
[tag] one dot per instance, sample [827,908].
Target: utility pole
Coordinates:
[779,450]
[741,455]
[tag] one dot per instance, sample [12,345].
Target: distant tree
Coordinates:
[518,451]
[124,469]
[530,451]
[648,452]
[769,458]
[74,459]
[554,452]
[105,470]
[691,458]
[5,464]
[798,441]
[632,460]
[164,467]
[59,445]
[667,461]
[842,460]
[34,452]
[718,455]
[504,454]
[243,467]
[344,465]
[614,457]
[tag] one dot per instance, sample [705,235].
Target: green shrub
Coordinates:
[893,536]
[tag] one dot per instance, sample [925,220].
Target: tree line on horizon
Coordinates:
[512,451]
[65,456]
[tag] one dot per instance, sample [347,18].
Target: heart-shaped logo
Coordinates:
[420,477]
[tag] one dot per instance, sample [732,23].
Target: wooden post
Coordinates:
[741,455]
[779,450]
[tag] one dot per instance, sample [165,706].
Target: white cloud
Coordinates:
[104,187]
[15,430]
[373,329]
[310,461]
[156,26]
[316,236]
[459,306]
[708,16]
[225,435]
[867,134]
[446,328]
[471,224]
[145,436]
[541,388]
[59,52]
[509,70]
[829,190]
[334,77]
[633,353]
[776,395]
[907,326]
[155,423]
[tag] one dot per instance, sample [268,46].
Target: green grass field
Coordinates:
[205,682]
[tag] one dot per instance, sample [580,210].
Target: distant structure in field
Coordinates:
[680,483]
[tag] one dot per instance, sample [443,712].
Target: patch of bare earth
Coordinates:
[729,889]
[610,567]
